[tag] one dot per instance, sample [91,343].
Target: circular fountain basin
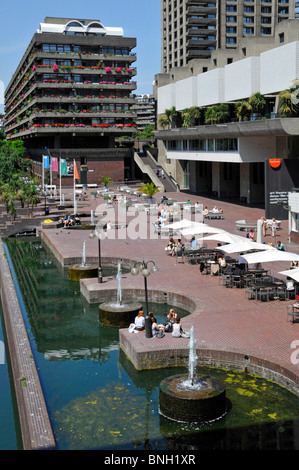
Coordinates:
[80,271]
[202,401]
[112,314]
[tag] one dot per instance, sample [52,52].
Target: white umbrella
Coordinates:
[181,224]
[200,228]
[225,237]
[244,245]
[293,273]
[270,256]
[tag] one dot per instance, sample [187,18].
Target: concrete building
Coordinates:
[228,159]
[199,29]
[145,109]
[71,97]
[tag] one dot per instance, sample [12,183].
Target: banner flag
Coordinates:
[54,164]
[77,177]
[63,167]
[46,161]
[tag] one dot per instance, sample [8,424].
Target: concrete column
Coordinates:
[216,177]
[245,181]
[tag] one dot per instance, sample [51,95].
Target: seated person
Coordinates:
[172,316]
[280,246]
[193,243]
[139,321]
[155,326]
[177,329]
[170,244]
[178,248]
[206,211]
[294,264]
[215,210]
[241,262]
[77,220]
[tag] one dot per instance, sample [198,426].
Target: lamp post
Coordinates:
[145,271]
[100,235]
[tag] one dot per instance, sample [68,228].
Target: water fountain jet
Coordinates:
[83,270]
[191,398]
[118,314]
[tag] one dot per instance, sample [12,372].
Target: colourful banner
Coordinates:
[63,167]
[54,164]
[46,161]
[77,177]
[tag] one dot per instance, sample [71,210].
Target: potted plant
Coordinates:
[93,194]
[106,180]
[149,189]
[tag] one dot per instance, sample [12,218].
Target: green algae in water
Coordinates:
[118,417]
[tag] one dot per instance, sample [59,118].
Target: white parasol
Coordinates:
[270,256]
[293,273]
[244,245]
[224,237]
[200,228]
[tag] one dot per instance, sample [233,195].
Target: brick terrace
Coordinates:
[228,327]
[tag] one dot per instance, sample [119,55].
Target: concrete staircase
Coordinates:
[148,165]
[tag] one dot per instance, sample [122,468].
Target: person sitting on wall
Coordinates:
[280,246]
[139,321]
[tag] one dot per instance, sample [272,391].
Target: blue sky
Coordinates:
[138,18]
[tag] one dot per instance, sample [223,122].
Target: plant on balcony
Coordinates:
[243,110]
[55,68]
[108,70]
[257,103]
[217,114]
[288,100]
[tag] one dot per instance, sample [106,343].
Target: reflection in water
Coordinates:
[95,397]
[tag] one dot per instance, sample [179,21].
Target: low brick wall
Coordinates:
[34,420]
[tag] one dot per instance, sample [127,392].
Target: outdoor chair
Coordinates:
[262,295]
[237,281]
[227,281]
[281,293]
[250,293]
[180,255]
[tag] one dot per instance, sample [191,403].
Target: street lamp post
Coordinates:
[100,235]
[145,271]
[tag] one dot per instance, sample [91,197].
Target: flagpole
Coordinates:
[60,200]
[43,173]
[74,186]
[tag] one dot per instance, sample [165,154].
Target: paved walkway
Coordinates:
[223,319]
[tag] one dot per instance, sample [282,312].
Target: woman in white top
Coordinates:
[176,329]
[139,321]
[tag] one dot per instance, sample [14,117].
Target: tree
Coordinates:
[217,113]
[243,110]
[163,121]
[257,103]
[171,115]
[32,194]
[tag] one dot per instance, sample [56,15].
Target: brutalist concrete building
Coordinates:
[71,97]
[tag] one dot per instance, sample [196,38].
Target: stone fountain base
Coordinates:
[120,316]
[79,271]
[203,402]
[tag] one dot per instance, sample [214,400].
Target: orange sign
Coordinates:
[275,162]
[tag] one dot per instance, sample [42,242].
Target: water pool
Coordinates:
[95,397]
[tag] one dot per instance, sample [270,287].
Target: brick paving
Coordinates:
[224,319]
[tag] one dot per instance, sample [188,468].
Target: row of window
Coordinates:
[85,49]
[203,145]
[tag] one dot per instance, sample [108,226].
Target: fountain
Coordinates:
[82,270]
[119,313]
[190,398]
